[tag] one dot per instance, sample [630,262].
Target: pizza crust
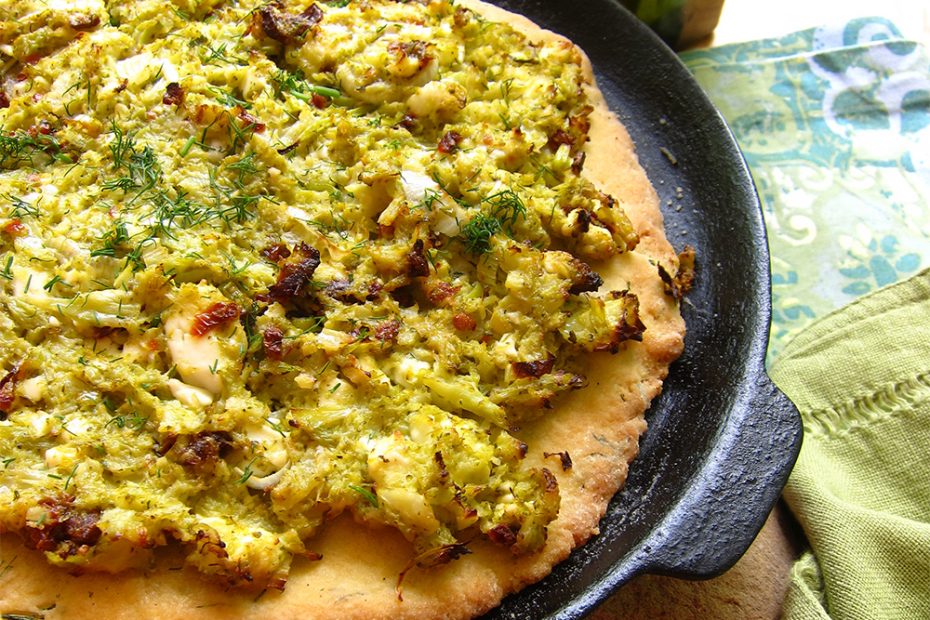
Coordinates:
[598,426]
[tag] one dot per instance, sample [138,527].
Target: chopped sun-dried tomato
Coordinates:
[275,252]
[463,322]
[250,121]
[15,228]
[273,343]
[174,94]
[387,330]
[417,50]
[502,535]
[8,389]
[84,21]
[417,265]
[439,292]
[219,314]
[409,122]
[449,143]
[63,529]
[295,276]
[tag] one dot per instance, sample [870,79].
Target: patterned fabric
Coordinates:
[835,125]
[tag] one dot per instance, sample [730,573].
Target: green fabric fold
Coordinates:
[861,487]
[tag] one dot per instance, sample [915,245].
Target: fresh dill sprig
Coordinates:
[215,54]
[233,204]
[430,196]
[56,279]
[6,273]
[21,208]
[112,241]
[477,233]
[133,422]
[179,210]
[142,170]
[121,146]
[229,99]
[505,208]
[294,84]
[245,166]
[21,147]
[368,495]
[71,476]
[247,472]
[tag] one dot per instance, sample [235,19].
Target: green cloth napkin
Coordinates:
[861,487]
[835,125]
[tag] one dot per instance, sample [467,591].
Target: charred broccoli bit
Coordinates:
[263,264]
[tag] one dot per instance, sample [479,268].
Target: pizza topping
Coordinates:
[273,22]
[8,389]
[201,450]
[15,228]
[387,330]
[578,162]
[463,322]
[450,142]
[680,284]
[417,265]
[273,342]
[502,535]
[533,369]
[439,292]
[249,122]
[174,94]
[302,296]
[61,529]
[584,279]
[276,252]
[409,57]
[84,21]
[559,138]
[217,315]
[295,275]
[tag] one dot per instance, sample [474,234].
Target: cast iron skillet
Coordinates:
[722,439]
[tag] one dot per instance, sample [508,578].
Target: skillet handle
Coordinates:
[736,490]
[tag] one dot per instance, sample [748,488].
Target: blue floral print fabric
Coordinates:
[835,125]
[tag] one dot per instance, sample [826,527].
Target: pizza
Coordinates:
[328,309]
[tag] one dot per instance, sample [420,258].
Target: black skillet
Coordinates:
[722,439]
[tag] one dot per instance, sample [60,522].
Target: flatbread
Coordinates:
[599,426]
